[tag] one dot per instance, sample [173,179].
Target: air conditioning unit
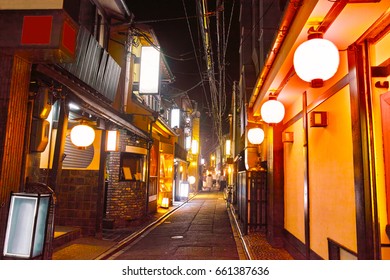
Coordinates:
[39,135]
[42,104]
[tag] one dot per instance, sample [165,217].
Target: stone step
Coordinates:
[64,235]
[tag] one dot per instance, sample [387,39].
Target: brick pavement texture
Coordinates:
[260,249]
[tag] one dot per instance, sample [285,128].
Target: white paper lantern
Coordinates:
[82,135]
[191,180]
[256,135]
[316,59]
[272,111]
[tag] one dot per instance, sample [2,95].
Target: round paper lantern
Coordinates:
[256,135]
[272,111]
[316,59]
[191,180]
[82,135]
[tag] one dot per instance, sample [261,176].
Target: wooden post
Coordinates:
[275,217]
[14,88]
[55,171]
[306,184]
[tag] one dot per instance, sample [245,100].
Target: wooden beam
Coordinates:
[364,219]
[306,183]
[56,170]
[98,106]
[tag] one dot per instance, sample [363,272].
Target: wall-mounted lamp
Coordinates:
[256,135]
[272,111]
[228,146]
[288,137]
[318,119]
[149,70]
[194,147]
[175,118]
[188,142]
[316,60]
[112,137]
[82,135]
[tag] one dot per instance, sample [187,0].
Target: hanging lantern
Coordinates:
[316,60]
[272,111]
[191,180]
[82,135]
[256,135]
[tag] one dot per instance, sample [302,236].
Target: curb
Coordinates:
[237,228]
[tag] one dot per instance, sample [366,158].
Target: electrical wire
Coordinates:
[182,92]
[138,32]
[249,34]
[170,19]
[218,100]
[193,45]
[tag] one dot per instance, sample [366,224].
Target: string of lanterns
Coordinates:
[315,61]
[272,112]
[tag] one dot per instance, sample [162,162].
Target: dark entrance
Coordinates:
[251,205]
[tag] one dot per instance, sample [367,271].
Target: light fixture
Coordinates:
[188,142]
[191,180]
[316,60]
[256,135]
[228,147]
[184,189]
[194,147]
[112,137]
[82,135]
[288,137]
[175,118]
[272,111]
[318,119]
[74,106]
[149,70]
[27,225]
[165,202]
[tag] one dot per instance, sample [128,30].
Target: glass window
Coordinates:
[132,166]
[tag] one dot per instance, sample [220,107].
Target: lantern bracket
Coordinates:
[272,96]
[84,120]
[314,33]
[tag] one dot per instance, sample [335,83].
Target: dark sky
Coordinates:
[179,44]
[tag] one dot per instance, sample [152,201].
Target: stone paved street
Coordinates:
[200,229]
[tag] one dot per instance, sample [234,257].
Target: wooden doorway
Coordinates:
[385,111]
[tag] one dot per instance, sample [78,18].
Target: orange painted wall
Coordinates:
[293,183]
[331,177]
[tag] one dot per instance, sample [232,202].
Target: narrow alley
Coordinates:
[200,229]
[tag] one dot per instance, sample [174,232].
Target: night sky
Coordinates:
[179,44]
